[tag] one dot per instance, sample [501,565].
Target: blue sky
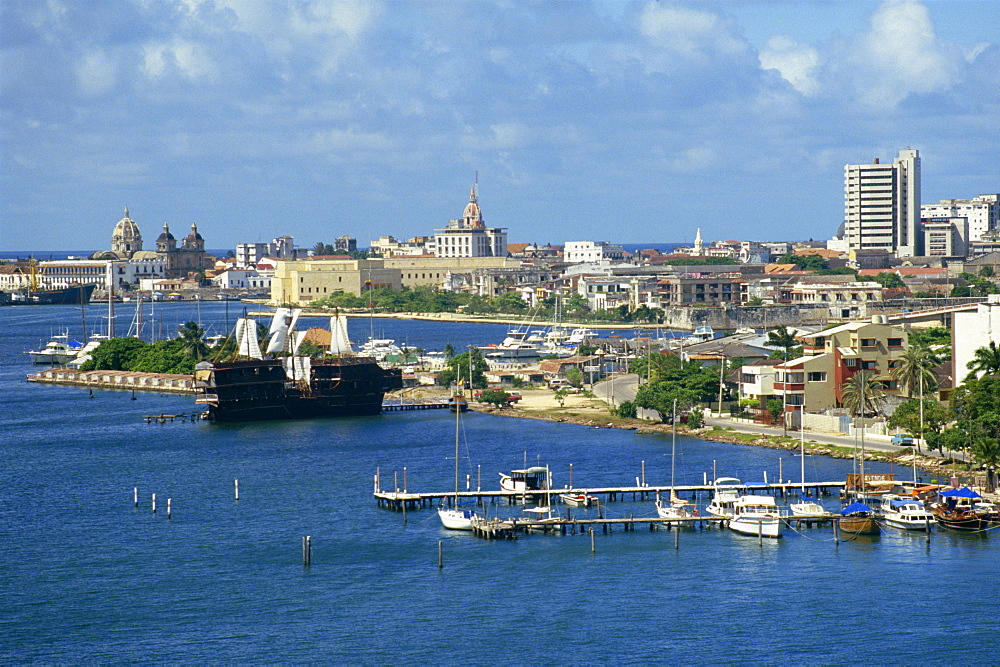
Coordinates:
[619,121]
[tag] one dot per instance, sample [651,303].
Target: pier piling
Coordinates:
[236,488]
[154,503]
[440,554]
[307,551]
[135,496]
[168,508]
[593,545]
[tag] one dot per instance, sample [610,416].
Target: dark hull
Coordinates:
[967,521]
[66,296]
[859,525]
[260,391]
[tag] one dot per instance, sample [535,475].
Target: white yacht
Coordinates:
[756,515]
[60,350]
[807,507]
[727,490]
[905,513]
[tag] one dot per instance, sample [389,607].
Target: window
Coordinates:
[895,342]
[817,376]
[794,399]
[850,363]
[868,342]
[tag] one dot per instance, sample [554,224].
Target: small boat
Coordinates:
[60,350]
[456,518]
[458,403]
[540,518]
[577,499]
[858,519]
[727,490]
[535,478]
[756,515]
[580,335]
[964,509]
[677,508]
[807,507]
[905,513]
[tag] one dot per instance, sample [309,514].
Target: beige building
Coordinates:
[300,282]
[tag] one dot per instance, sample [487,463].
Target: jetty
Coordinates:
[402,500]
[128,380]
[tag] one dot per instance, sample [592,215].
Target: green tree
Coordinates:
[986,271]
[914,370]
[560,394]
[575,377]
[495,397]
[660,396]
[510,302]
[863,394]
[458,367]
[115,354]
[755,301]
[906,418]
[887,279]
[985,360]
[192,339]
[783,338]
[626,410]
[805,262]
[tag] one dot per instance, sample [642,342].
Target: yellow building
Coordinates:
[302,281]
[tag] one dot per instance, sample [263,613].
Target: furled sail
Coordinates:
[282,324]
[340,344]
[246,339]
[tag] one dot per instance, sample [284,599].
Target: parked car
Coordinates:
[903,440]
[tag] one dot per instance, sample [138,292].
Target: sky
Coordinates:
[608,120]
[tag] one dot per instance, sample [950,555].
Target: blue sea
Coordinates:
[87,577]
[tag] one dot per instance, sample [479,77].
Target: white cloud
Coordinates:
[900,54]
[795,62]
[188,58]
[688,33]
[96,73]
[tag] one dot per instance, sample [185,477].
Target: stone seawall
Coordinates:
[162,382]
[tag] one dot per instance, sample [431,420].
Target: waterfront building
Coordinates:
[982,213]
[249,254]
[844,299]
[831,357]
[882,205]
[699,289]
[469,236]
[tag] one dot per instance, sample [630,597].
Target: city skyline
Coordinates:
[633,122]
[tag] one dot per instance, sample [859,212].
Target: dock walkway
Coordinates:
[397,499]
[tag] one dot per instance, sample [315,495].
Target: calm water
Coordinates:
[85,576]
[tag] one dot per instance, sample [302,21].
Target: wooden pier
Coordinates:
[398,500]
[415,404]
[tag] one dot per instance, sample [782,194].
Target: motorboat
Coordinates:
[807,507]
[701,335]
[85,353]
[577,499]
[905,513]
[964,509]
[858,519]
[756,515]
[527,480]
[580,335]
[726,491]
[58,351]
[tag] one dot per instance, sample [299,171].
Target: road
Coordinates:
[623,388]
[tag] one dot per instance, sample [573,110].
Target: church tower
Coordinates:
[473,216]
[193,241]
[126,239]
[699,245]
[166,242]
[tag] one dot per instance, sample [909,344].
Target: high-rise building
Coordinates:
[882,205]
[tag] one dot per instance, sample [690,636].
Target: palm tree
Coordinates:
[986,360]
[913,370]
[781,337]
[863,394]
[192,337]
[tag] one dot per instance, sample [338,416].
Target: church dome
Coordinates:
[165,235]
[194,241]
[472,215]
[126,237]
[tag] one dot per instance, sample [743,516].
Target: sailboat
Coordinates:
[454,517]
[677,507]
[806,506]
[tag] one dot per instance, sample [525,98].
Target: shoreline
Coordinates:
[924,462]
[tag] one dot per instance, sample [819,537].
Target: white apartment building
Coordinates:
[248,254]
[946,237]
[882,205]
[982,213]
[581,252]
[970,330]
[469,236]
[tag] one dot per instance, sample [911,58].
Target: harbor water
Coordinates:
[87,576]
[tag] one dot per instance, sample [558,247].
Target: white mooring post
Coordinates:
[135,496]
[154,503]
[236,488]
[168,508]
